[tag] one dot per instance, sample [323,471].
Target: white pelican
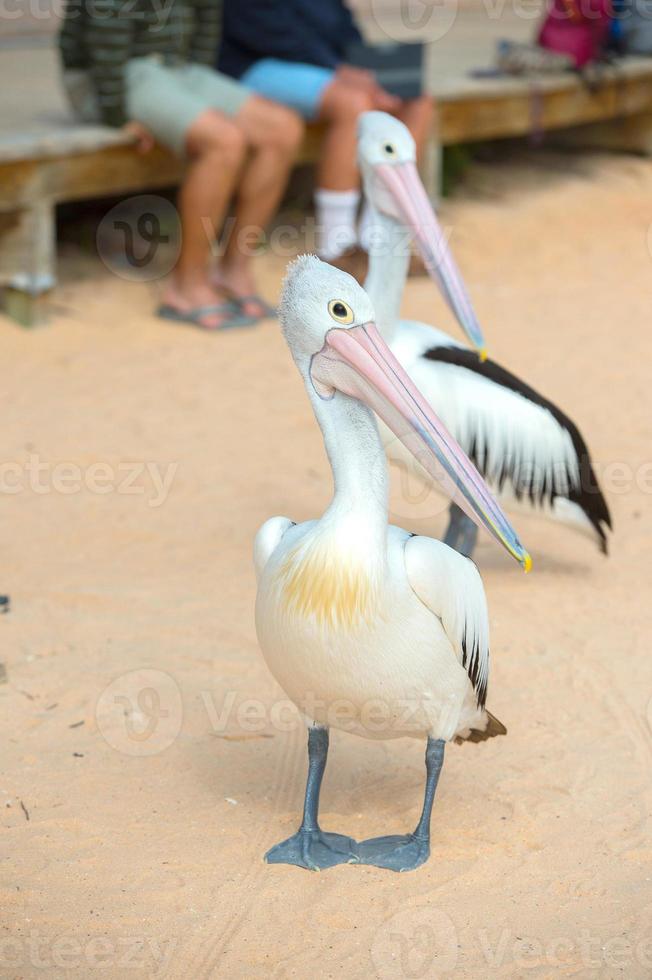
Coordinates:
[367,627]
[530,453]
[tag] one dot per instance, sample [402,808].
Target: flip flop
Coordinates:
[235,318]
[269,311]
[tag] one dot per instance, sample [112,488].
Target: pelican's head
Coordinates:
[317,298]
[383,141]
[328,322]
[387,159]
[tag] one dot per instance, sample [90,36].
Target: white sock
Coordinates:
[335,214]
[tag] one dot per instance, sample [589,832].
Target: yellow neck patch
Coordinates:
[323,582]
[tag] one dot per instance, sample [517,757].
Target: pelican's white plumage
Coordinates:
[348,663]
[349,610]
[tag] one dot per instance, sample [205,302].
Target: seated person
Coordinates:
[293,51]
[149,69]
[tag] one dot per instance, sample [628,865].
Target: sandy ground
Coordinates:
[140,790]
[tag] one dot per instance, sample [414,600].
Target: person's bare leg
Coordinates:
[216,148]
[340,107]
[273,134]
[337,193]
[417,114]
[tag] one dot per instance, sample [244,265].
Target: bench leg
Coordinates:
[27,262]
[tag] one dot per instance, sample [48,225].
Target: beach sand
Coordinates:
[148,758]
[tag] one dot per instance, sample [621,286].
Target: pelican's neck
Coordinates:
[389,260]
[360,500]
[336,573]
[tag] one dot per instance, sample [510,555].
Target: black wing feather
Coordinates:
[471,663]
[588,495]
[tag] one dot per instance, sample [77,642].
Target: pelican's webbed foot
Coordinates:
[405,852]
[314,850]
[398,852]
[461,533]
[311,847]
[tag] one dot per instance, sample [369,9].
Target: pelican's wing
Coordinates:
[450,586]
[520,441]
[267,540]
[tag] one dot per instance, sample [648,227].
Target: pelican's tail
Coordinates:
[493,727]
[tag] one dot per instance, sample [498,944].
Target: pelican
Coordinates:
[529,452]
[366,627]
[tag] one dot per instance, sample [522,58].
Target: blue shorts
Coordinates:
[298,86]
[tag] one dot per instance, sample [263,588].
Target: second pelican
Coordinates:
[529,451]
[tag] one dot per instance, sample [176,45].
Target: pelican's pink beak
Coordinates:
[413,208]
[358,362]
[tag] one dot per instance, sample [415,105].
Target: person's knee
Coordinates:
[269,124]
[346,102]
[213,133]
[231,143]
[290,130]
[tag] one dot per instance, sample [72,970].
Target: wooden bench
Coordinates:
[60,161]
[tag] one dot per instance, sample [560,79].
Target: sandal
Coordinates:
[235,317]
[268,311]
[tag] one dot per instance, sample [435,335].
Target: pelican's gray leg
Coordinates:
[312,847]
[405,852]
[461,533]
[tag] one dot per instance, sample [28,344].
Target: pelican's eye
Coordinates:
[389,150]
[340,311]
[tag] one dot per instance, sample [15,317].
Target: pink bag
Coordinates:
[578,28]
